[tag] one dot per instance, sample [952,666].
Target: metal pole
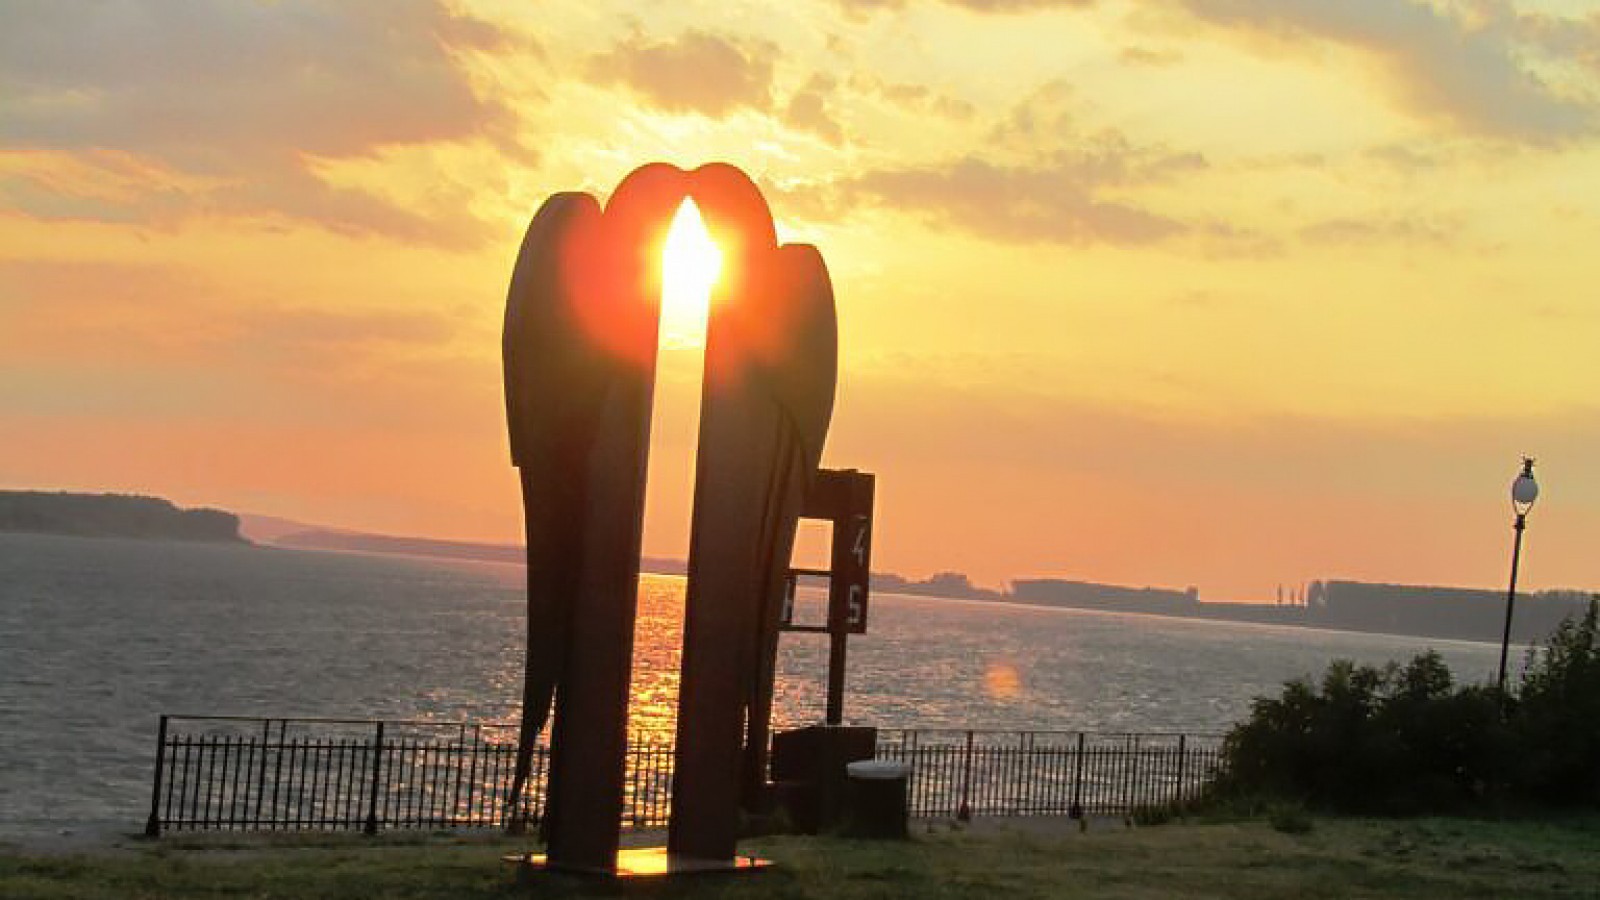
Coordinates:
[836,655]
[152,825]
[1076,810]
[377,766]
[1511,596]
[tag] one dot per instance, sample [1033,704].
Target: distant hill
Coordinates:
[113,515]
[267,529]
[360,542]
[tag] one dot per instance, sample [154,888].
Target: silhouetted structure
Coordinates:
[579,349]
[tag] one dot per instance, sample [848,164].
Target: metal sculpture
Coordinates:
[770,371]
[579,349]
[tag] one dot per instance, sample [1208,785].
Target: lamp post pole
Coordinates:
[1524,490]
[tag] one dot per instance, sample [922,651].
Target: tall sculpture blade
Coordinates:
[579,349]
[770,371]
[551,382]
[806,390]
[619,317]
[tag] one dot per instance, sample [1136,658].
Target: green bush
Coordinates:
[1557,716]
[1408,740]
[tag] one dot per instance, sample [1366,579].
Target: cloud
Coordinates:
[697,72]
[239,100]
[1149,56]
[1054,204]
[1466,74]
[1575,39]
[1386,230]
[808,109]
[163,316]
[1038,178]
[978,6]
[916,98]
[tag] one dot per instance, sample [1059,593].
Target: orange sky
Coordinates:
[1224,293]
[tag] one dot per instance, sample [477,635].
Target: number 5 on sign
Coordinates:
[856,615]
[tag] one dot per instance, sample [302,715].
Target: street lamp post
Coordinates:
[1523,492]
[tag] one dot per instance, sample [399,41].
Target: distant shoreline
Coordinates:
[1437,613]
[1545,611]
[68,514]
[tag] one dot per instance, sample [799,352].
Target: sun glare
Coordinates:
[690,264]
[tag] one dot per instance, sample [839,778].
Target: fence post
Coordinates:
[1024,769]
[1183,789]
[377,766]
[261,771]
[1076,810]
[152,825]
[964,811]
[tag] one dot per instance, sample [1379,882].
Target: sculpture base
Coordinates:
[639,862]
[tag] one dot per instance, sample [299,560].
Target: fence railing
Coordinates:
[233,773]
[961,774]
[258,774]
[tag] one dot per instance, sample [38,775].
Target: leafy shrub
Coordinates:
[1408,740]
[1557,716]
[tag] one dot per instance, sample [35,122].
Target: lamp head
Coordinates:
[1524,490]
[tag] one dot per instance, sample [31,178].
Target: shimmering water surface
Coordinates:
[99,637]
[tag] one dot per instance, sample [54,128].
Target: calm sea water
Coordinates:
[99,637]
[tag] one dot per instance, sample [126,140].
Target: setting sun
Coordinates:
[690,264]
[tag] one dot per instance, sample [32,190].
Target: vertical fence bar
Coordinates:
[277,771]
[964,811]
[472,777]
[208,752]
[178,781]
[372,798]
[152,825]
[1076,809]
[1183,788]
[233,785]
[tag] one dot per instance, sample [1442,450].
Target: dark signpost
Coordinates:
[579,348]
[844,498]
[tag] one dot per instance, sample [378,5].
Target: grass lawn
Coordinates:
[1338,858]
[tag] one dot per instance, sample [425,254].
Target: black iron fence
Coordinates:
[235,773]
[961,774]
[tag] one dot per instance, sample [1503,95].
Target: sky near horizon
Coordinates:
[1223,293]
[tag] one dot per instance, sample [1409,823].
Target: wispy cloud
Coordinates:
[1442,66]
[1382,229]
[1039,178]
[810,109]
[979,6]
[239,101]
[696,72]
[160,316]
[1017,203]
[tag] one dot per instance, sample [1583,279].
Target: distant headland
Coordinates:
[1423,611]
[113,515]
